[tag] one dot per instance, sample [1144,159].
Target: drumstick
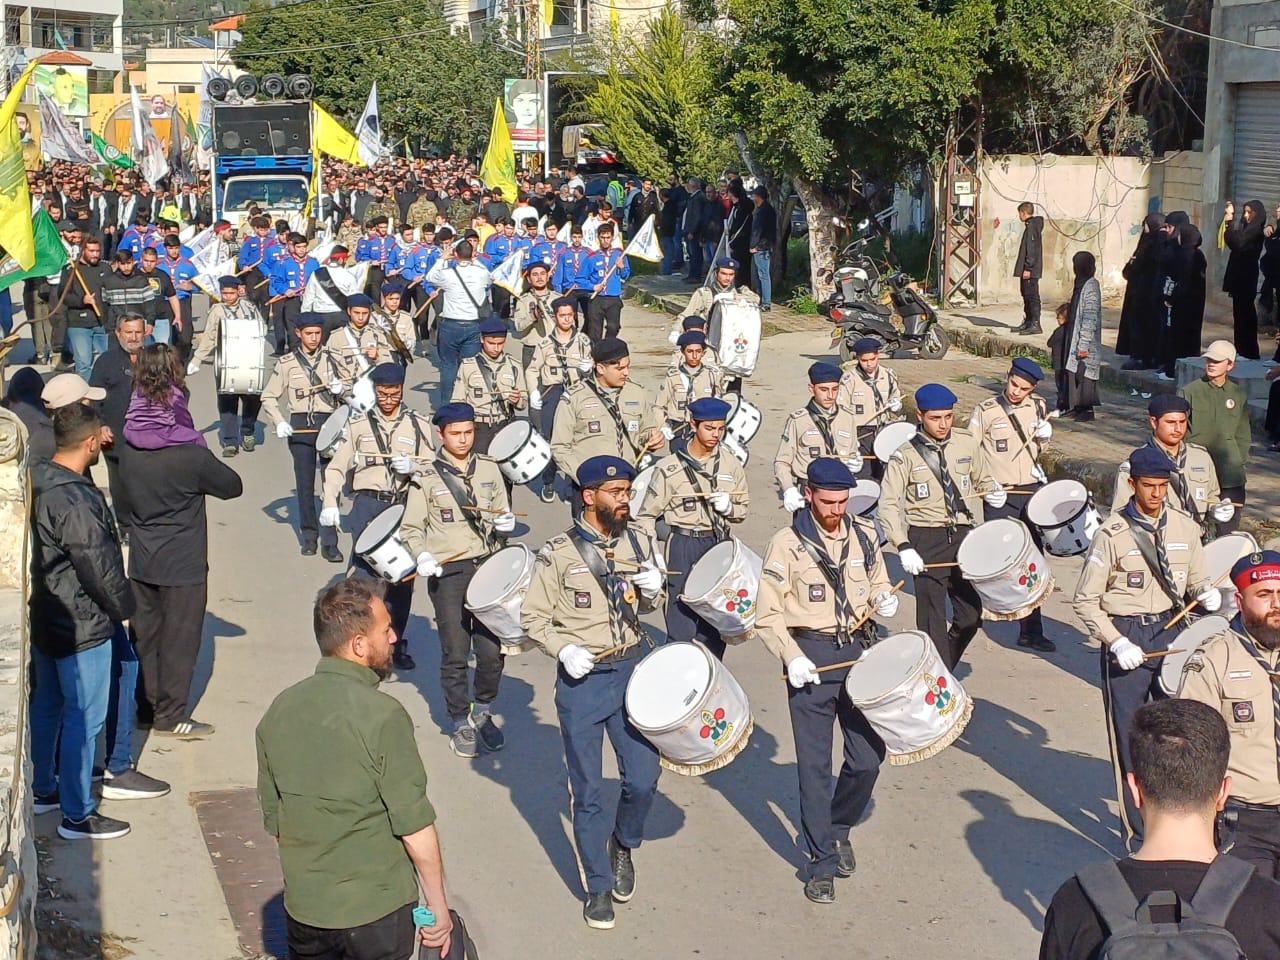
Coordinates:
[849,663]
[940,566]
[1187,609]
[265,281]
[619,648]
[1164,653]
[492,510]
[393,456]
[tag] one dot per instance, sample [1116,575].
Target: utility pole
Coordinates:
[532,39]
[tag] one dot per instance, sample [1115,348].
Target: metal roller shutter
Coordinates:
[1256,162]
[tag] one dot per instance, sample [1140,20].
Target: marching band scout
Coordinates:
[689,381]
[871,391]
[821,428]
[492,382]
[233,316]
[560,359]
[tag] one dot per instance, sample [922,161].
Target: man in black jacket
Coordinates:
[764,237]
[1029,266]
[79,597]
[113,372]
[126,291]
[82,280]
[695,215]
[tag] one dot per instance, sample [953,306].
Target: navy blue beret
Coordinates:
[1147,461]
[934,396]
[825,373]
[597,470]
[866,345]
[691,337]
[1167,403]
[453,413]
[708,408]
[828,473]
[392,286]
[493,327]
[308,318]
[693,322]
[358,300]
[726,263]
[1026,368]
[387,375]
[229,281]
[609,350]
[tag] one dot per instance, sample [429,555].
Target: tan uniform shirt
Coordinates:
[1116,581]
[670,492]
[911,496]
[584,428]
[1225,676]
[291,382]
[565,604]
[346,347]
[858,394]
[1009,458]
[682,386]
[703,299]
[406,434]
[243,317]
[490,403]
[435,522]
[802,443]
[1198,473]
[402,322]
[795,595]
[555,361]
[533,317]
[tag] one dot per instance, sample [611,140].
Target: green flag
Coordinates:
[110,155]
[51,255]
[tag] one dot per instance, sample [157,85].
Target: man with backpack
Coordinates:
[1176,898]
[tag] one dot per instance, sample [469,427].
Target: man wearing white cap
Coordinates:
[68,388]
[1219,422]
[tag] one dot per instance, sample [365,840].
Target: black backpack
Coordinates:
[1199,933]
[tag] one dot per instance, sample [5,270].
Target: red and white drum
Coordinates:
[1001,561]
[721,589]
[496,593]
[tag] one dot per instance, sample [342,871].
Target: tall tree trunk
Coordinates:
[820,205]
[779,191]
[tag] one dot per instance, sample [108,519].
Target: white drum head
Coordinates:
[1057,503]
[1221,555]
[885,666]
[1185,643]
[731,443]
[863,498]
[667,684]
[710,567]
[992,548]
[733,400]
[333,426]
[508,441]
[497,576]
[890,437]
[380,529]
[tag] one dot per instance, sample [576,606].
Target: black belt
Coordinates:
[454,565]
[694,534]
[1143,619]
[384,496]
[1258,807]
[458,320]
[818,635]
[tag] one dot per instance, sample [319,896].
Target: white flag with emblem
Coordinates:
[645,243]
[369,130]
[508,275]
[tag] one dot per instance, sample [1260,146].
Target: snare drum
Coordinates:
[332,432]
[689,706]
[864,502]
[733,330]
[890,437]
[909,697]
[240,363]
[1001,561]
[1063,513]
[521,452]
[1219,557]
[721,589]
[497,590]
[379,546]
[1184,644]
[744,419]
[737,449]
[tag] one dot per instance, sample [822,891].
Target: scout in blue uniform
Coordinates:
[603,274]
[288,280]
[182,272]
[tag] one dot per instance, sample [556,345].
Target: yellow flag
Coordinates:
[333,138]
[16,233]
[498,169]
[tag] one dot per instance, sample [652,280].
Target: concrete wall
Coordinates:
[1177,183]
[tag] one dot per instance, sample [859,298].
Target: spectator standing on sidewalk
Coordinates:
[1244,236]
[1140,315]
[1084,331]
[1219,422]
[764,237]
[1029,266]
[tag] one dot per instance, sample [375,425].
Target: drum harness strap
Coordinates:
[622,614]
[935,459]
[562,354]
[1178,482]
[823,422]
[331,289]
[313,376]
[1007,407]
[806,531]
[1148,537]
[692,471]
[611,405]
[490,377]
[361,362]
[384,446]
[462,490]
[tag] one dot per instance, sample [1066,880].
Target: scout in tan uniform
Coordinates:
[237,317]
[1012,429]
[582,607]
[456,516]
[604,414]
[300,379]
[533,313]
[1144,561]
[383,451]
[933,492]
[871,391]
[1236,673]
[710,358]
[392,318]
[560,359]
[703,299]
[492,382]
[822,428]
[1193,488]
[688,382]
[699,490]
[821,576]
[358,346]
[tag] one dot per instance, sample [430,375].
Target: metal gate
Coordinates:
[1255,165]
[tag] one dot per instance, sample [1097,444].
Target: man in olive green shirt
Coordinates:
[1219,422]
[343,792]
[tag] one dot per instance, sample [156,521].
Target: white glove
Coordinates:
[586,366]
[800,671]
[667,433]
[337,387]
[886,604]
[912,562]
[648,581]
[720,502]
[895,407]
[673,336]
[1127,653]
[403,466]
[997,498]
[1224,511]
[427,566]
[854,463]
[1044,430]
[330,517]
[793,499]
[1211,600]
[283,431]
[504,522]
[1038,474]
[535,399]
[577,661]
[193,368]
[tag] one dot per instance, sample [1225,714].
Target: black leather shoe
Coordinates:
[848,862]
[820,890]
[1043,644]
[309,548]
[598,911]
[624,871]
[401,660]
[331,553]
[1030,331]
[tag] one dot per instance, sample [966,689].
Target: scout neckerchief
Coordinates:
[1157,530]
[490,378]
[822,421]
[356,343]
[597,552]
[875,390]
[561,351]
[1177,480]
[1272,674]
[384,441]
[692,471]
[460,484]
[611,405]
[806,530]
[934,454]
[1008,409]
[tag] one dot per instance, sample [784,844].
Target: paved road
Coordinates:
[959,854]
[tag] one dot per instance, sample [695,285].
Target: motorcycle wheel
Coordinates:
[935,343]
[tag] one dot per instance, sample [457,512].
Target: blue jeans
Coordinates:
[68,710]
[455,341]
[669,247]
[6,311]
[695,260]
[161,332]
[87,345]
[121,707]
[762,259]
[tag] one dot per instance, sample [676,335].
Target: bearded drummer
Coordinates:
[456,516]
[492,382]
[300,379]
[700,490]
[930,500]
[821,428]
[871,391]
[1145,560]
[583,607]
[232,317]
[822,575]
[1013,430]
[384,451]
